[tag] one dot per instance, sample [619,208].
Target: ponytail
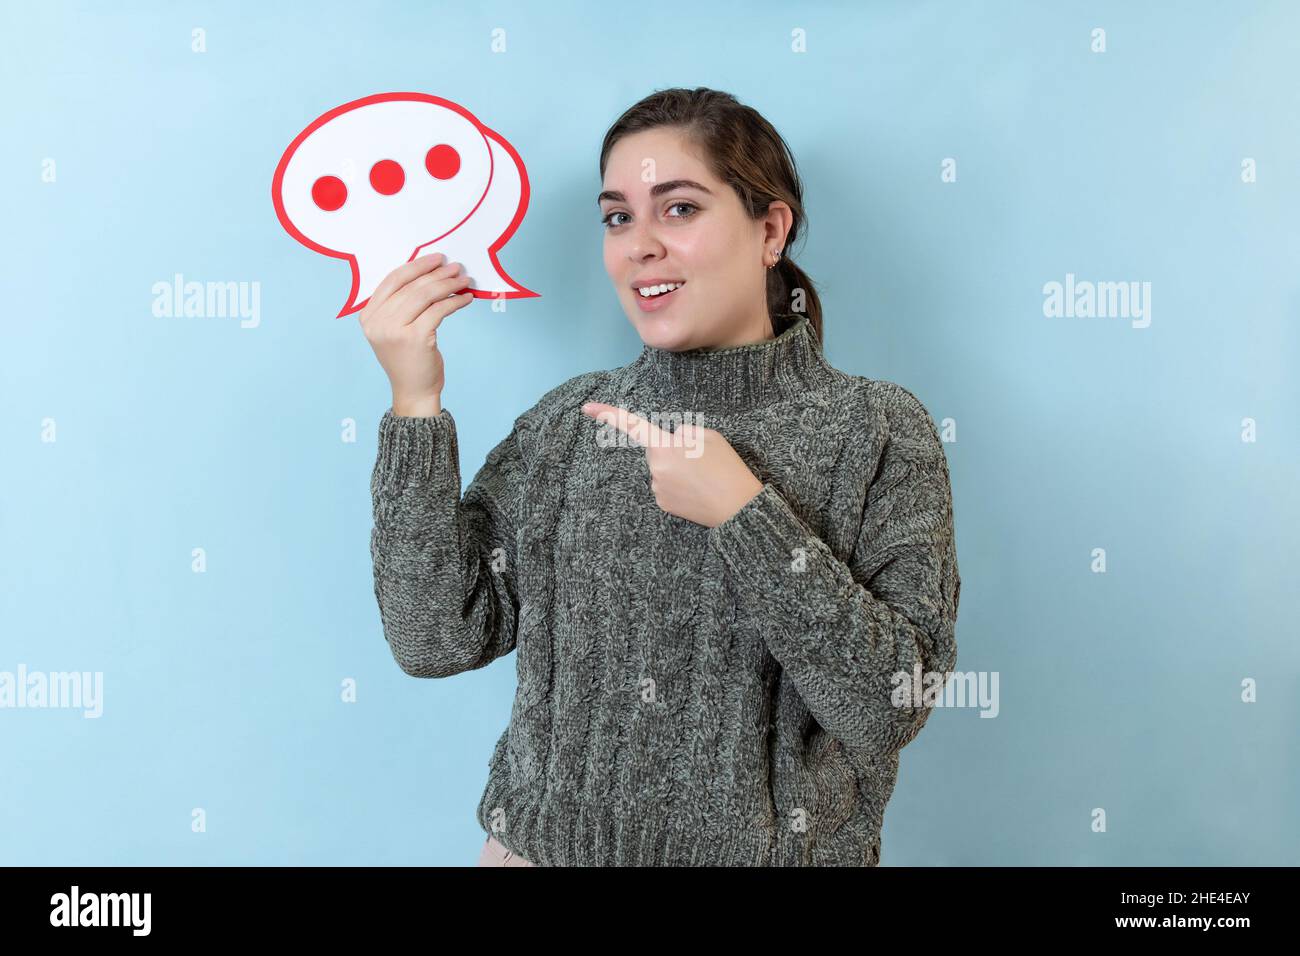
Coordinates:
[790,292]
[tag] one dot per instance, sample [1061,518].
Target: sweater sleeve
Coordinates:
[842,631]
[444,567]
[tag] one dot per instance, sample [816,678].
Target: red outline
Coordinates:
[524,193]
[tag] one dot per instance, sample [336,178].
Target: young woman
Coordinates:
[729,569]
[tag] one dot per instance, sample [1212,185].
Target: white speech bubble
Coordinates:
[383,179]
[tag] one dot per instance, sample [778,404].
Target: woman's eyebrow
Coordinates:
[658,189]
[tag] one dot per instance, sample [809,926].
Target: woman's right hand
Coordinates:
[401,320]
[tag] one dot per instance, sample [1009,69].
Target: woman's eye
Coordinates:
[676,205]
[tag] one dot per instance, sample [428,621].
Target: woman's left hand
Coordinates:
[694,472]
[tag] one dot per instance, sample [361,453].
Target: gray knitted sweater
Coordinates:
[686,695]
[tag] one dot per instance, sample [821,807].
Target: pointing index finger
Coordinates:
[632,425]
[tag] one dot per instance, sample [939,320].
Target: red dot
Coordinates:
[387,177]
[329,193]
[442,161]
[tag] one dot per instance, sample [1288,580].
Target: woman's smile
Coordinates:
[653,303]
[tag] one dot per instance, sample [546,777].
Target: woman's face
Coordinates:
[667,218]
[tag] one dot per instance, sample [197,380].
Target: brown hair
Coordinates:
[745,151]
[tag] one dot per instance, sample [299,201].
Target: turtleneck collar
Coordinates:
[733,379]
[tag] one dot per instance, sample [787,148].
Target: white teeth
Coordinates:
[652,290]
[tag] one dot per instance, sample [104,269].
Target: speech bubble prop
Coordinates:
[377,180]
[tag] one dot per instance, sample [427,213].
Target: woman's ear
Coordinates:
[777,226]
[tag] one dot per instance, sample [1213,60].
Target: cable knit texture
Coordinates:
[686,695]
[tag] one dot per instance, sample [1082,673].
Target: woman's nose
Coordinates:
[645,243]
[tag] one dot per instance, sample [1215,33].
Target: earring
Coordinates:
[776,257]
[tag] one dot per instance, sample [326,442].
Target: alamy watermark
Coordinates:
[59,689]
[75,908]
[208,300]
[668,431]
[946,689]
[1102,300]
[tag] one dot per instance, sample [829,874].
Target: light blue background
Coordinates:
[1117,690]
